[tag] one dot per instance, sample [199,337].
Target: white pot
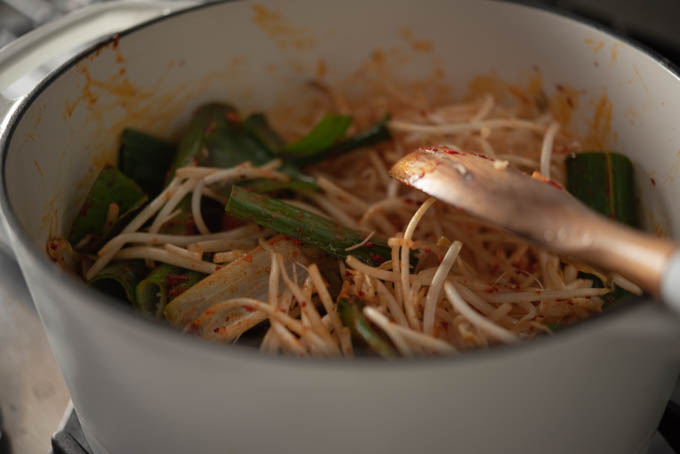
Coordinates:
[139,387]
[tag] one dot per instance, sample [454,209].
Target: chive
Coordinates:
[604,182]
[145,158]
[329,130]
[111,186]
[119,279]
[258,127]
[162,285]
[229,147]
[377,133]
[307,227]
[350,310]
[207,120]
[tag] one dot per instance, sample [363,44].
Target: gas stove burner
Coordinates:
[69,438]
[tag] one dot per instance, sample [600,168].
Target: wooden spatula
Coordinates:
[545,214]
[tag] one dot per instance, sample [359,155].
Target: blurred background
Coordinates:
[33,398]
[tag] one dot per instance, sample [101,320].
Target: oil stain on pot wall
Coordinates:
[110,97]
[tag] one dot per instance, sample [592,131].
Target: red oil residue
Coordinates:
[282,32]
[599,134]
[563,102]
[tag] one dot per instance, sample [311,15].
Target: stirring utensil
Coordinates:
[542,212]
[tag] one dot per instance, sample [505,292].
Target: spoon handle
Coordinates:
[653,263]
[670,283]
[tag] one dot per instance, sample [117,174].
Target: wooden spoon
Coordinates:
[542,212]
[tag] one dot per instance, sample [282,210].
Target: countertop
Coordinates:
[33,395]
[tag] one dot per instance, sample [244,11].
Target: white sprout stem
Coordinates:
[171,248]
[162,255]
[485,110]
[246,170]
[195,172]
[361,243]
[626,284]
[547,147]
[222,245]
[542,295]
[134,225]
[391,303]
[229,256]
[475,318]
[349,200]
[179,240]
[196,208]
[455,128]
[176,198]
[384,324]
[377,273]
[434,292]
[405,262]
[307,308]
[326,300]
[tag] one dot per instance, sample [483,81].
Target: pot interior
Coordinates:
[261,56]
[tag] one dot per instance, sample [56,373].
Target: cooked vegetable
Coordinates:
[406,277]
[307,227]
[350,312]
[207,120]
[246,276]
[229,146]
[604,182]
[111,200]
[120,279]
[162,285]
[378,133]
[259,128]
[329,130]
[145,158]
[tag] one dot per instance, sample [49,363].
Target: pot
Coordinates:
[140,387]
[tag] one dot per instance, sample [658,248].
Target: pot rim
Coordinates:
[113,307]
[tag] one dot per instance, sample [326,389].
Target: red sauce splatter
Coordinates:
[116,37]
[376,258]
[249,308]
[653,181]
[172,280]
[211,127]
[233,117]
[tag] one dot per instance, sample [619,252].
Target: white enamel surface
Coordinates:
[137,389]
[64,34]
